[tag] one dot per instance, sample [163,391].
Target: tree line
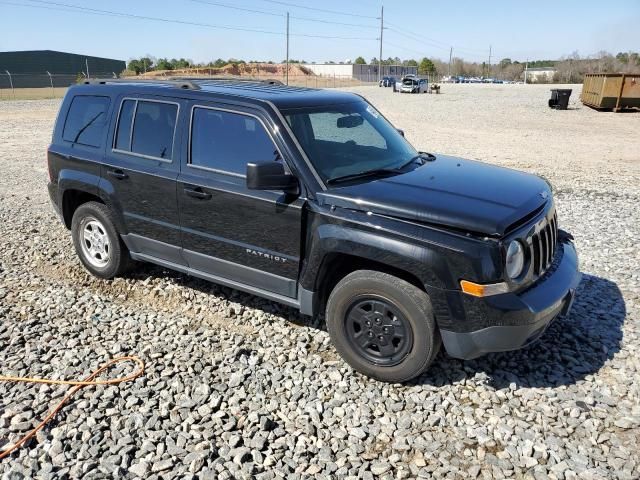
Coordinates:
[570,68]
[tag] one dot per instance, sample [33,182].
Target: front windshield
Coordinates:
[348,139]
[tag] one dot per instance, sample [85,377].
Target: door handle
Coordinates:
[197,192]
[119,174]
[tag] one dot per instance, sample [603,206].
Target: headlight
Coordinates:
[515,259]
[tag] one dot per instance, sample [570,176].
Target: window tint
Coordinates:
[123,135]
[86,120]
[153,129]
[228,141]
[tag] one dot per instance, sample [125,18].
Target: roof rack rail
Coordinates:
[180,83]
[268,81]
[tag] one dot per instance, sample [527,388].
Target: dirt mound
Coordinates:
[236,69]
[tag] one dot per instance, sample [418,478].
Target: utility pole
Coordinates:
[489,67]
[450,57]
[526,67]
[381,30]
[287,65]
[86,62]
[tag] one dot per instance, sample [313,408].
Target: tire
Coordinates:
[97,242]
[408,318]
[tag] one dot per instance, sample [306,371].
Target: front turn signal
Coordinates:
[480,290]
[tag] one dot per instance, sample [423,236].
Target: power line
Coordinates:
[234,7]
[435,42]
[100,12]
[282,15]
[410,34]
[422,40]
[404,48]
[315,9]
[57,9]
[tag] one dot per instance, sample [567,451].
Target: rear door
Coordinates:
[140,170]
[247,236]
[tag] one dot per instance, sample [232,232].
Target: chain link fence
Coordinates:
[22,86]
[26,86]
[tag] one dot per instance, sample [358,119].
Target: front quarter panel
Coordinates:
[437,258]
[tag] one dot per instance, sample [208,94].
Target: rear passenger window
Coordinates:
[227,141]
[86,120]
[123,135]
[147,128]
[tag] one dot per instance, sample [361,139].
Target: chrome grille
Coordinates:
[543,245]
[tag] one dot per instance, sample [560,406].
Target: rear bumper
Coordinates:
[517,319]
[53,196]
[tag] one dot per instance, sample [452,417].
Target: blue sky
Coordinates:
[518,30]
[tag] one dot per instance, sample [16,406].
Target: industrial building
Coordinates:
[364,73]
[38,68]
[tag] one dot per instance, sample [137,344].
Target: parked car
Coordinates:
[312,199]
[412,84]
[387,82]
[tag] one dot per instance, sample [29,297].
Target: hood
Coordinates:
[449,191]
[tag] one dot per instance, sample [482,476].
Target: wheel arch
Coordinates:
[77,187]
[337,265]
[72,198]
[337,250]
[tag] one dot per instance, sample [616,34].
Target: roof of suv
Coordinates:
[283,96]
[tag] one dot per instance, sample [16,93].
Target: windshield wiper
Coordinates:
[426,157]
[376,172]
[87,125]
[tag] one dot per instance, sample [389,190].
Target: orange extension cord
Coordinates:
[77,386]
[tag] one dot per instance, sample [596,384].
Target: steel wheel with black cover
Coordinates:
[383,326]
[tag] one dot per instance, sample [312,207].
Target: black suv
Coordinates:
[313,199]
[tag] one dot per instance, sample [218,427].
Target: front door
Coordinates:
[247,236]
[140,170]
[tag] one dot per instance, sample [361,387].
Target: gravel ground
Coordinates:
[238,387]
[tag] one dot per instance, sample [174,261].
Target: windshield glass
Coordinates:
[348,139]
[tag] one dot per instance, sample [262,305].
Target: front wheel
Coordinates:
[382,326]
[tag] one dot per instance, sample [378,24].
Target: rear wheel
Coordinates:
[382,325]
[97,242]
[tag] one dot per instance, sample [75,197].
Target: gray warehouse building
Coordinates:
[29,68]
[365,73]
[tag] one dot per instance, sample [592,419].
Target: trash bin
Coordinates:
[560,98]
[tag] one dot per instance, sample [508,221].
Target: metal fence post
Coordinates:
[53,92]
[13,92]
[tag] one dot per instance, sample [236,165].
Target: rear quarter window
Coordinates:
[86,120]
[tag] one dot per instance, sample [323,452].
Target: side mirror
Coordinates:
[400,131]
[271,176]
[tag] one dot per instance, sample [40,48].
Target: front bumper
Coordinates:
[514,320]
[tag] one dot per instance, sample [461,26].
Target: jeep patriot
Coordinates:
[311,198]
